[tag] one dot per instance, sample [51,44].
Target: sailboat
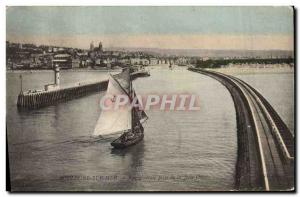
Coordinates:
[125,121]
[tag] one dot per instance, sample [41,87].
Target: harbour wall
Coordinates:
[265,157]
[46,98]
[248,172]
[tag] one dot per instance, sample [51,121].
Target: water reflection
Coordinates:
[132,160]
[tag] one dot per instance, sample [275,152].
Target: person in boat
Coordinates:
[136,129]
[127,136]
[130,135]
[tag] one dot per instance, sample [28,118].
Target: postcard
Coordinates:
[150,98]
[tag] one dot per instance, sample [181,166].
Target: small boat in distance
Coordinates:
[125,120]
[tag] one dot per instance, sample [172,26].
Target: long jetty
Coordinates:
[265,144]
[37,99]
[33,100]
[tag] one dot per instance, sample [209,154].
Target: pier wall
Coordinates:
[248,171]
[265,157]
[46,98]
[41,99]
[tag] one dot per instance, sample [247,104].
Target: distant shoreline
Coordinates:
[233,69]
[63,70]
[253,71]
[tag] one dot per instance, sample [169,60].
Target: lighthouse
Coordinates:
[56,75]
[56,80]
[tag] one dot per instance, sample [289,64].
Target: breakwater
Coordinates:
[248,171]
[265,158]
[37,99]
[34,100]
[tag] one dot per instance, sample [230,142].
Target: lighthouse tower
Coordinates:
[56,75]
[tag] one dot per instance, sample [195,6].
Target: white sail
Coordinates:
[114,121]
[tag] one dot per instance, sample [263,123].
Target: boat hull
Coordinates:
[119,143]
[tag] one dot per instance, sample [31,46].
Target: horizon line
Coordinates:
[142,48]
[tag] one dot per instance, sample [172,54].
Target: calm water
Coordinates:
[181,151]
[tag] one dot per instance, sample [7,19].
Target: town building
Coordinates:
[139,61]
[182,61]
[76,63]
[153,61]
[64,61]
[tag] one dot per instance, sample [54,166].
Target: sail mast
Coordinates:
[130,85]
[131,98]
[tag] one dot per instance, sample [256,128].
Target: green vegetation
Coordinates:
[224,62]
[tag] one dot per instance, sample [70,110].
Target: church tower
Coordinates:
[100,47]
[92,46]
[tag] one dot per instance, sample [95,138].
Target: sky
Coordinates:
[252,28]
